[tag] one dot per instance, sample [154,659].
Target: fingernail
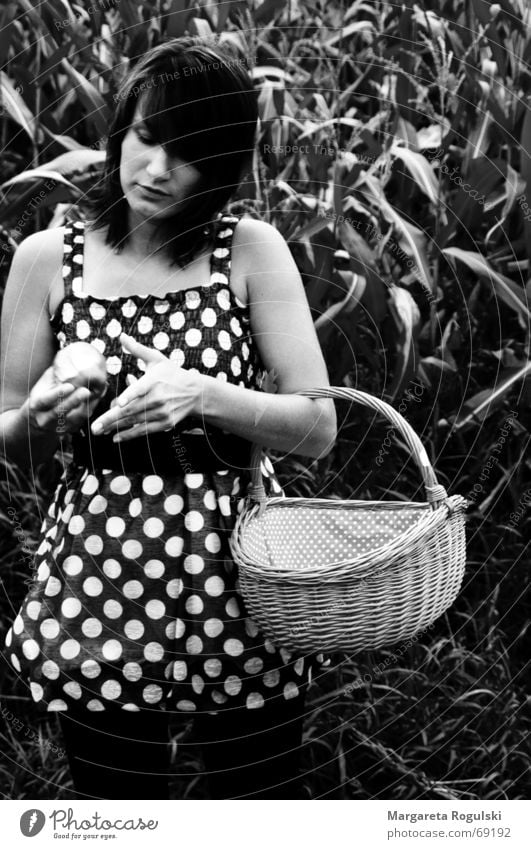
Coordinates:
[117,438]
[96,427]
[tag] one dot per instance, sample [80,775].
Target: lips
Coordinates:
[151,191]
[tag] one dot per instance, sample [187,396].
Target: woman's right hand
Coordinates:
[59,407]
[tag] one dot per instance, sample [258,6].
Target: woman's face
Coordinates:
[154,182]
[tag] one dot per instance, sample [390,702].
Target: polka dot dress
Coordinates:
[136,600]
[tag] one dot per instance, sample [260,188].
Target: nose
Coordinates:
[159,164]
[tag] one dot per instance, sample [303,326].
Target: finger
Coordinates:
[124,417]
[139,430]
[143,352]
[76,399]
[51,397]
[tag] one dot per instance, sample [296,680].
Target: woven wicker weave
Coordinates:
[328,575]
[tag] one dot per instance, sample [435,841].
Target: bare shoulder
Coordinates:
[36,268]
[263,258]
[253,235]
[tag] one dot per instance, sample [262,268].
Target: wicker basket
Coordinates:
[328,575]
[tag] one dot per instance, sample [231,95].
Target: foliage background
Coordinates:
[407,212]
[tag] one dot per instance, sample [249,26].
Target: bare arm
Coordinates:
[30,403]
[283,331]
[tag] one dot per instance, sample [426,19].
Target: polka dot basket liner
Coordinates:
[331,575]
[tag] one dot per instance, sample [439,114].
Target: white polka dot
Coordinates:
[198,685]
[95,704]
[193,337]
[115,526]
[57,704]
[177,356]
[214,585]
[153,527]
[193,564]
[176,320]
[271,678]
[43,572]
[92,627]
[90,668]
[120,485]
[134,629]
[145,325]
[213,626]
[152,484]
[93,544]
[192,299]
[18,624]
[30,649]
[174,587]
[112,608]
[67,313]
[153,651]
[194,644]
[99,344]
[251,628]
[132,671]
[53,587]
[219,277]
[111,649]
[173,505]
[71,607]
[111,689]
[209,357]
[223,299]
[161,341]
[224,340]
[155,609]
[97,505]
[152,694]
[210,500]
[232,685]
[114,365]
[92,586]
[193,481]
[90,485]
[236,366]
[72,565]
[299,666]
[36,691]
[254,700]
[194,605]
[291,691]
[180,628]
[253,665]
[113,328]
[72,689]
[132,549]
[233,647]
[174,546]
[9,638]
[76,525]
[232,607]
[50,670]
[180,670]
[130,706]
[70,649]
[212,667]
[212,543]
[112,568]
[154,569]
[218,697]
[97,311]
[161,306]
[236,326]
[82,329]
[129,308]
[269,647]
[194,521]
[132,589]
[185,704]
[135,507]
[224,505]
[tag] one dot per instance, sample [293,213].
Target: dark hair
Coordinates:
[200,104]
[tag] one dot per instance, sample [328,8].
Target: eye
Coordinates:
[144,136]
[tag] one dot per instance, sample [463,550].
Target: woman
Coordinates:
[135,612]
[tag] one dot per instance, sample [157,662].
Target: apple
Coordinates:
[82,365]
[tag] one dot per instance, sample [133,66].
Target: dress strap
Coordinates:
[220,261]
[73,244]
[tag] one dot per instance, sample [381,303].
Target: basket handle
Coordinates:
[435,492]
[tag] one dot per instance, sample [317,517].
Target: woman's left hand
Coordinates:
[157,401]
